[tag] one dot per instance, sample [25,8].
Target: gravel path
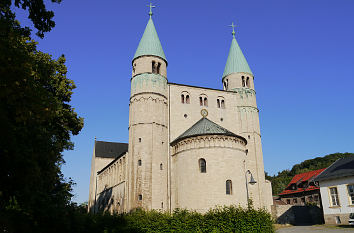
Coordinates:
[315,229]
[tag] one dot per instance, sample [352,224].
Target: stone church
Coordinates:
[189,147]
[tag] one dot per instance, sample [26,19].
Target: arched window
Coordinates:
[218,103]
[182,99]
[228,187]
[206,101]
[202,165]
[248,81]
[158,68]
[154,67]
[187,99]
[222,104]
[161,166]
[243,81]
[226,82]
[201,101]
[139,162]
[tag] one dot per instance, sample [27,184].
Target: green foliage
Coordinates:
[280,181]
[36,122]
[222,219]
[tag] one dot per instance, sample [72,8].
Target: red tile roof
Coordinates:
[302,178]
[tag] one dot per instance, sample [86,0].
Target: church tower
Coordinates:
[148,134]
[238,78]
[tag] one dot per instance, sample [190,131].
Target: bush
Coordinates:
[221,219]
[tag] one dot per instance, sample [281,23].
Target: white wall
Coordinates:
[341,184]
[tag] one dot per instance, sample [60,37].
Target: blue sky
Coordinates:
[301,52]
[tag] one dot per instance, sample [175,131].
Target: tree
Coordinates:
[36,122]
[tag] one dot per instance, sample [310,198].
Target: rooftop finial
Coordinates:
[150,6]
[233,29]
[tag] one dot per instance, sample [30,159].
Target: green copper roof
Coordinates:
[205,127]
[150,43]
[236,62]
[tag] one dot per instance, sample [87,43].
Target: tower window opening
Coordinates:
[228,187]
[134,68]
[185,115]
[202,165]
[226,84]
[187,99]
[218,103]
[139,162]
[158,67]
[222,104]
[182,99]
[140,197]
[154,67]
[201,101]
[243,81]
[139,139]
[206,101]
[161,166]
[248,81]
[161,205]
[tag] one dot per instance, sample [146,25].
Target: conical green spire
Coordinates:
[236,62]
[150,43]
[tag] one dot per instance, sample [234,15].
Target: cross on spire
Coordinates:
[233,28]
[150,6]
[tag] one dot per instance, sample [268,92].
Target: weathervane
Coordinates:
[233,28]
[150,6]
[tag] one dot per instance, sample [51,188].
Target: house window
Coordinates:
[295,201]
[140,197]
[139,162]
[351,193]
[334,196]
[288,201]
[316,198]
[228,187]
[202,165]
[303,200]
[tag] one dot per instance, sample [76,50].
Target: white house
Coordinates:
[337,191]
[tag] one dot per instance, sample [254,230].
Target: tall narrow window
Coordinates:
[334,196]
[153,68]
[140,197]
[222,104]
[187,99]
[182,99]
[202,165]
[161,166]
[205,101]
[243,81]
[248,81]
[201,101]
[139,162]
[158,68]
[351,194]
[228,187]
[218,103]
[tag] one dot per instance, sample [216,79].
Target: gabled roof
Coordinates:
[341,168]
[110,149]
[236,61]
[306,176]
[205,127]
[150,43]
